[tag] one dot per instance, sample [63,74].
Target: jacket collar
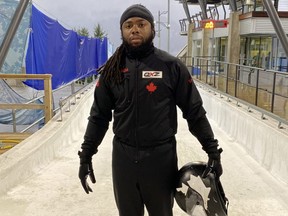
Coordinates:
[140,52]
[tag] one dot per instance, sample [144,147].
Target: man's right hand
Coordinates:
[85,170]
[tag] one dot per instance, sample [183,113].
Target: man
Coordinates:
[143,85]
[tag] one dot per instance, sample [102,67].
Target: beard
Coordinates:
[141,50]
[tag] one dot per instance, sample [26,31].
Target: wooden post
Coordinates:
[47,93]
[48,99]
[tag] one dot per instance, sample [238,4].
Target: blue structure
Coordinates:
[63,53]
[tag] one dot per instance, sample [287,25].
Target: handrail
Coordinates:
[74,96]
[26,76]
[30,105]
[249,105]
[208,58]
[259,88]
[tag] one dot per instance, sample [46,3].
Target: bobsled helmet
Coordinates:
[195,194]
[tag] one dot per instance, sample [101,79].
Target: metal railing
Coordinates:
[264,90]
[49,97]
[66,102]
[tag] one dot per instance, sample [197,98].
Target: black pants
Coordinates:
[144,178]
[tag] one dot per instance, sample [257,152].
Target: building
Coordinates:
[253,38]
[240,47]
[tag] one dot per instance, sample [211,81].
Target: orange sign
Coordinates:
[211,24]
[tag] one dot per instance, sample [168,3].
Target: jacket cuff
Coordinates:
[85,157]
[92,139]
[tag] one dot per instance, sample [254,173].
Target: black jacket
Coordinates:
[144,105]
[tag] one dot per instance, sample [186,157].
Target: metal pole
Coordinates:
[273,92]
[203,5]
[168,28]
[224,10]
[276,2]
[277,24]
[186,9]
[17,17]
[233,5]
[14,120]
[159,39]
[257,87]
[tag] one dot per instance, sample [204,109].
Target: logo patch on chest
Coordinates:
[151,87]
[152,74]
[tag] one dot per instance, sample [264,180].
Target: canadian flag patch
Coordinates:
[152,74]
[151,87]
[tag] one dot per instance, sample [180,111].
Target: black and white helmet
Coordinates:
[200,196]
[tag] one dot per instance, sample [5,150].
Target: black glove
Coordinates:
[214,164]
[85,170]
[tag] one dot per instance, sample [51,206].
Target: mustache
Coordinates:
[151,37]
[148,42]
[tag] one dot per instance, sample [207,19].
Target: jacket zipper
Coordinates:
[136,110]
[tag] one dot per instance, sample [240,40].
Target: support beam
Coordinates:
[17,17]
[272,13]
[186,10]
[233,51]
[14,136]
[48,110]
[188,60]
[233,5]
[48,102]
[276,3]
[203,5]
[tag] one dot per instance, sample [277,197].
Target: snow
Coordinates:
[40,175]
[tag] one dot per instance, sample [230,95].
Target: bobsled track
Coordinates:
[39,177]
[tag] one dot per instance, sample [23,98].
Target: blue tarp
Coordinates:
[63,53]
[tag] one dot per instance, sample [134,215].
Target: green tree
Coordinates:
[83,31]
[99,32]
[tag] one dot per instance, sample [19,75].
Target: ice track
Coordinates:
[39,177]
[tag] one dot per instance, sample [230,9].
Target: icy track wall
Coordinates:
[262,139]
[35,152]
[266,144]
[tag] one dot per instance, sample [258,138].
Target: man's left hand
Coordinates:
[86,170]
[214,164]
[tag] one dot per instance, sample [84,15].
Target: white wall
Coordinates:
[283,5]
[35,152]
[260,25]
[267,144]
[262,139]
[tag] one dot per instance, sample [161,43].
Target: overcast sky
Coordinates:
[88,13]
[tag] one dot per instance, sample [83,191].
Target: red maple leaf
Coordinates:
[97,83]
[151,87]
[124,70]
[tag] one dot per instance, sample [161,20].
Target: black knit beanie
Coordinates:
[137,10]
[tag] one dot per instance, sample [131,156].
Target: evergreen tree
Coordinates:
[99,32]
[83,31]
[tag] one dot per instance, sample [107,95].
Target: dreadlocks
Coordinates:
[111,70]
